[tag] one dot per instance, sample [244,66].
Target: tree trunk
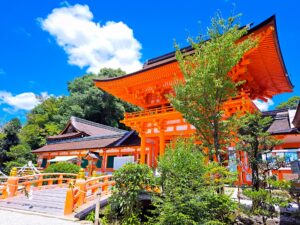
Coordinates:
[255,174]
[298,202]
[217,141]
[264,219]
[254,168]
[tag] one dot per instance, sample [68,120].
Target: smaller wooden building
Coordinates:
[285,127]
[90,145]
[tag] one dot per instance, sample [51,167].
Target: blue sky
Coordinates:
[45,44]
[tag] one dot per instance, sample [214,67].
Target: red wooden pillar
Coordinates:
[150,156]
[79,160]
[155,152]
[104,160]
[143,149]
[161,142]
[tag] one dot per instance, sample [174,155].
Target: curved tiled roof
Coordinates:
[282,121]
[90,128]
[95,142]
[170,57]
[65,136]
[83,134]
[296,120]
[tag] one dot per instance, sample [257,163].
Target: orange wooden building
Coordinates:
[158,122]
[286,127]
[90,145]
[262,69]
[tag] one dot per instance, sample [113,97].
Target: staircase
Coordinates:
[49,201]
[56,194]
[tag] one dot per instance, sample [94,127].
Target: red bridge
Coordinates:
[56,194]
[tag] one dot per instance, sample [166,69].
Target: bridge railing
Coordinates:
[46,179]
[3,186]
[14,185]
[85,190]
[81,189]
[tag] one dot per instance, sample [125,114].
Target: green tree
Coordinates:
[2,136]
[189,189]
[84,101]
[11,130]
[207,85]
[42,121]
[255,140]
[290,103]
[9,139]
[91,103]
[19,155]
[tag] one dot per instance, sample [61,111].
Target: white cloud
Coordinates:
[263,106]
[10,110]
[90,44]
[23,101]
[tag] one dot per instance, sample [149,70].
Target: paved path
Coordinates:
[18,218]
[49,201]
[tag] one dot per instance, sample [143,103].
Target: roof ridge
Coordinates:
[122,139]
[274,111]
[67,135]
[190,48]
[89,138]
[91,123]
[167,58]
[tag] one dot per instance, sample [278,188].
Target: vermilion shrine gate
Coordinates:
[93,146]
[262,69]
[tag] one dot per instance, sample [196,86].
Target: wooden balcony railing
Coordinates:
[150,112]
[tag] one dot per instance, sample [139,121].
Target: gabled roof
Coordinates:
[265,75]
[283,121]
[65,136]
[81,134]
[93,142]
[80,143]
[131,138]
[77,127]
[296,120]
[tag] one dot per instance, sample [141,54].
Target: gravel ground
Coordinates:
[18,218]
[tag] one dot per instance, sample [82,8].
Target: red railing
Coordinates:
[46,179]
[3,186]
[84,191]
[13,185]
[149,112]
[80,189]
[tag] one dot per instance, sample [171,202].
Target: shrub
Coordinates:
[263,202]
[187,197]
[62,167]
[131,180]
[91,216]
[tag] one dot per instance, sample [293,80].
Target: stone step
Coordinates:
[36,202]
[51,211]
[50,201]
[37,209]
[52,198]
